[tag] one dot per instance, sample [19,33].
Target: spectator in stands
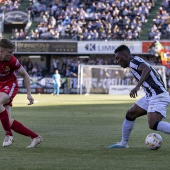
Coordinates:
[36,35]
[15,34]
[34,71]
[73,69]
[67,72]
[129,35]
[85,34]
[59,28]
[55,63]
[96,35]
[165,4]
[66,21]
[80,35]
[135,35]
[43,19]
[31,35]
[168,31]
[154,27]
[29,66]
[52,21]
[68,31]
[114,34]
[22,34]
[56,35]
[16,5]
[157,21]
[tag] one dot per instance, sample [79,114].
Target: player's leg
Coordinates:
[55,89]
[128,125]
[157,111]
[137,110]
[4,98]
[58,89]
[21,129]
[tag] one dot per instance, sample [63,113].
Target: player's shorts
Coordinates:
[9,88]
[157,103]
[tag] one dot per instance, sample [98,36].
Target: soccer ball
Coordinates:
[153,141]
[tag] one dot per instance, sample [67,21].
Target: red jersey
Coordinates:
[8,68]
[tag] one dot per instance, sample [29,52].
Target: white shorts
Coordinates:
[157,103]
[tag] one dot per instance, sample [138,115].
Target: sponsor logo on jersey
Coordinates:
[7,68]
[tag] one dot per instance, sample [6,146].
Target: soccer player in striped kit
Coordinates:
[153,104]
[8,90]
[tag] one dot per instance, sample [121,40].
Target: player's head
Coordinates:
[6,49]
[123,56]
[56,71]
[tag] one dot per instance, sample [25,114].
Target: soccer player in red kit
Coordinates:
[8,90]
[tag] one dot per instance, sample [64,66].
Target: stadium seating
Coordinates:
[88,20]
[93,20]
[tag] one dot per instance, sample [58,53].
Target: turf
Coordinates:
[77,130]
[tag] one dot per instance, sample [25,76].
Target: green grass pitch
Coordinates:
[77,130]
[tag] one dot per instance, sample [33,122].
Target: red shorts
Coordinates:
[9,88]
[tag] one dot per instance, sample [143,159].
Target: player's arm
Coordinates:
[26,78]
[145,72]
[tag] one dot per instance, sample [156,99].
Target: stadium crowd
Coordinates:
[161,23]
[92,20]
[89,20]
[10,5]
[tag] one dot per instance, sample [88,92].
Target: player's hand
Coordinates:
[133,92]
[31,100]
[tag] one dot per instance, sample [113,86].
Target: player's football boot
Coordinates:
[35,142]
[118,145]
[8,141]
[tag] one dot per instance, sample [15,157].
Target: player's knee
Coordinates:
[130,115]
[153,125]
[1,107]
[11,121]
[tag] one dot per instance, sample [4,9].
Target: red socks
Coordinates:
[16,126]
[19,128]
[5,122]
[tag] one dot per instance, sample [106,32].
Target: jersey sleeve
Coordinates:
[16,65]
[134,63]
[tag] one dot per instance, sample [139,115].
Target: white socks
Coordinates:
[164,127]
[127,126]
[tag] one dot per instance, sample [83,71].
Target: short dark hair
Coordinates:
[122,48]
[5,43]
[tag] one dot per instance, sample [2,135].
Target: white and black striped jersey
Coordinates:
[154,84]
